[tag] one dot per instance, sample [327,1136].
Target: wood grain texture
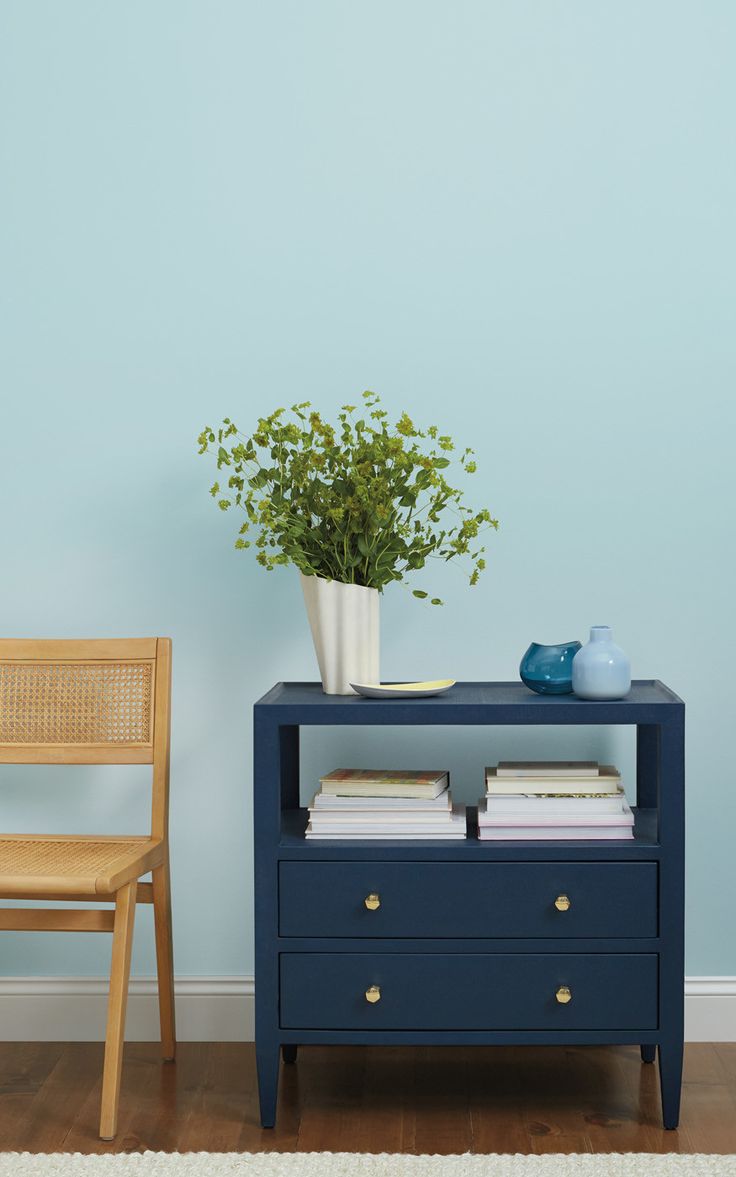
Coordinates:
[122,946]
[164,958]
[73,649]
[54,919]
[367,1099]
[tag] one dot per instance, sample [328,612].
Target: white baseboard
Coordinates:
[220,1009]
[710,1009]
[73,1009]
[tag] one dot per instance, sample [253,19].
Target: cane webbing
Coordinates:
[28,856]
[75,702]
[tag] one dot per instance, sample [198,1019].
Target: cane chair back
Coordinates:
[89,702]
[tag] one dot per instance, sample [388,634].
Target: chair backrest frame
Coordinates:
[144,662]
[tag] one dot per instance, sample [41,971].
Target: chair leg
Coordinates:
[164,958]
[122,943]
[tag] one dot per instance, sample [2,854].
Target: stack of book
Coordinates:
[535,800]
[375,803]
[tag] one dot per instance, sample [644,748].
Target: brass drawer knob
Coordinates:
[562,903]
[563,994]
[373,994]
[372,901]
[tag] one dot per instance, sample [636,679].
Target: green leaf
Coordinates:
[359,498]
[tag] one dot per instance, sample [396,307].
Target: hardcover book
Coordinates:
[608,780]
[371,782]
[569,805]
[487,817]
[551,834]
[449,825]
[333,803]
[535,768]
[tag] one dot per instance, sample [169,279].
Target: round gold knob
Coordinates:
[563,994]
[562,903]
[373,994]
[372,901]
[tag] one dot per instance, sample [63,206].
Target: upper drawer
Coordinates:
[456,899]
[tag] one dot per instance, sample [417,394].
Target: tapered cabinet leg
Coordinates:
[267,1064]
[648,1052]
[164,958]
[122,943]
[670,1081]
[288,1052]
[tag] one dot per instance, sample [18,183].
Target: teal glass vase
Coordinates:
[548,669]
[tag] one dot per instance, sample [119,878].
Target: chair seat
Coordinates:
[39,864]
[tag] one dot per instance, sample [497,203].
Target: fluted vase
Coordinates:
[344,620]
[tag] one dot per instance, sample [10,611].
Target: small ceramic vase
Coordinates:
[601,670]
[548,669]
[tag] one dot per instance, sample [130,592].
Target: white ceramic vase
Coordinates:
[344,619]
[601,670]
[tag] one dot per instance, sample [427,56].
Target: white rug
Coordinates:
[345,1164]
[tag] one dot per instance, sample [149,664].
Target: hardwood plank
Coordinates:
[332,1095]
[703,1064]
[352,1099]
[215,1122]
[46,1122]
[437,1102]
[382,1114]
[140,1073]
[619,1099]
[562,1142]
[158,1120]
[726,1052]
[25,1068]
[499,1118]
[708,1117]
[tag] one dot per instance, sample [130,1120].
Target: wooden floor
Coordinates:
[354,1099]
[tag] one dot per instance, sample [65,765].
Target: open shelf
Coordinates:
[293,843]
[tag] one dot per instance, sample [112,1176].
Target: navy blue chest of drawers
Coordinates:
[430,942]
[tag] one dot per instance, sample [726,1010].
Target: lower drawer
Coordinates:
[473,991]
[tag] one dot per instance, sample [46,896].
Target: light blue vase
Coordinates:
[601,670]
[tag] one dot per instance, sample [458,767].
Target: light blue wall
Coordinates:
[513,219]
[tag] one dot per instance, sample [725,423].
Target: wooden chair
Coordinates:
[93,702]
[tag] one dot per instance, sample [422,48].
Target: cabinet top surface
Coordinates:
[647,700]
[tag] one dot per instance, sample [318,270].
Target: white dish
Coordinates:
[403,690]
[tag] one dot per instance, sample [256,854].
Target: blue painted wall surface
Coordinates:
[514,220]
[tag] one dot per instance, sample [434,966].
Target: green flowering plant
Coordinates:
[364,502]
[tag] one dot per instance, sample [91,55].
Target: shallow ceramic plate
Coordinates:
[403,690]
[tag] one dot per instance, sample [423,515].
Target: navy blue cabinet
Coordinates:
[467,944]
